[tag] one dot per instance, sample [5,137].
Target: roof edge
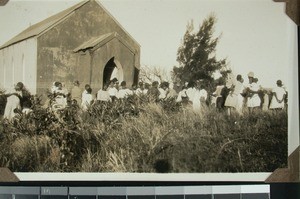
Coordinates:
[108,37]
[3,46]
[115,20]
[11,42]
[77,6]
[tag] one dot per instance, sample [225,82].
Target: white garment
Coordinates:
[53,89]
[13,102]
[181,94]
[61,101]
[235,99]
[112,91]
[163,93]
[26,111]
[254,100]
[218,91]
[171,93]
[139,91]
[280,92]
[123,93]
[145,91]
[86,100]
[103,96]
[199,96]
[190,93]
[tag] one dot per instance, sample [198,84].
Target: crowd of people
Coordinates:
[240,97]
[235,97]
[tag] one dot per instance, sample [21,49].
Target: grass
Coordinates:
[139,136]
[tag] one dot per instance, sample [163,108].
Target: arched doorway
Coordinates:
[113,69]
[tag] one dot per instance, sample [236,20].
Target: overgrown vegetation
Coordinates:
[197,56]
[137,136]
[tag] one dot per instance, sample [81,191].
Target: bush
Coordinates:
[135,135]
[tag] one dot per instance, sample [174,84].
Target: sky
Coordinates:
[256,35]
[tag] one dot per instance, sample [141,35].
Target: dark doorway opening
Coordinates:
[108,70]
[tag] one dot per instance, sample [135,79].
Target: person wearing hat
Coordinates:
[278,97]
[250,77]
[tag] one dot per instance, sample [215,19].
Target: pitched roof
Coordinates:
[96,42]
[42,26]
[48,23]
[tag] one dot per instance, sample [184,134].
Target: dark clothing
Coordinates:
[153,94]
[3,101]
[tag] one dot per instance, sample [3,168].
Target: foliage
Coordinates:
[135,135]
[197,55]
[154,73]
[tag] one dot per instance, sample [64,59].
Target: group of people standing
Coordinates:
[252,96]
[119,91]
[235,97]
[193,93]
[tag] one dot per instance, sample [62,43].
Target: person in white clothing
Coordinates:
[254,100]
[182,96]
[217,98]
[103,94]
[199,98]
[191,91]
[140,89]
[278,97]
[235,99]
[112,90]
[87,98]
[60,96]
[124,92]
[163,90]
[13,103]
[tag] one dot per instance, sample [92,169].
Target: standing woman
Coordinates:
[235,100]
[279,95]
[16,100]
[254,100]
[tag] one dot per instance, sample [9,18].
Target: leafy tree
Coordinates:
[197,55]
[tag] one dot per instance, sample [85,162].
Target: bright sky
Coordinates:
[256,34]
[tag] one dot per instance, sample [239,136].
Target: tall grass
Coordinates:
[140,136]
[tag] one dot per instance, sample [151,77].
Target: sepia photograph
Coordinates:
[145,86]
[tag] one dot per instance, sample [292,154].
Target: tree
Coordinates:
[197,55]
[154,73]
